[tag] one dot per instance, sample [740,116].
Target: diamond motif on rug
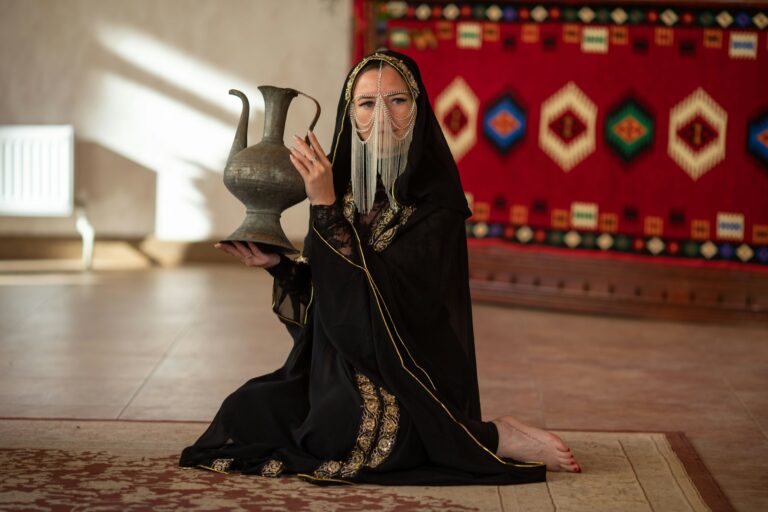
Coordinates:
[572,239]
[655,245]
[629,129]
[605,241]
[724,19]
[757,138]
[504,123]
[456,109]
[524,234]
[619,16]
[708,250]
[745,253]
[567,127]
[697,132]
[586,14]
[760,20]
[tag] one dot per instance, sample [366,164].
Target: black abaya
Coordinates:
[381,383]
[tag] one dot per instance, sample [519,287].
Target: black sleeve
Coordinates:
[333,227]
[292,289]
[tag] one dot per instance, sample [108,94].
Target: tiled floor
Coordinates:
[172,343]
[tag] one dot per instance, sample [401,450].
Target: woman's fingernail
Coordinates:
[296,137]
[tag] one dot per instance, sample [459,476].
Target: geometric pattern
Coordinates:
[743,45]
[594,40]
[651,244]
[730,226]
[567,126]
[468,35]
[571,12]
[584,215]
[697,129]
[646,212]
[456,110]
[757,137]
[504,123]
[629,129]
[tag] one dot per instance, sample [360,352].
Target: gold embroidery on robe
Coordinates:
[219,465]
[327,469]
[376,436]
[387,431]
[386,225]
[368,426]
[383,234]
[273,468]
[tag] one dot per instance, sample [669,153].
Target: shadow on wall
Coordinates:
[125,191]
[183,129]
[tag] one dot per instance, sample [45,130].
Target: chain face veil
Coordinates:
[381,137]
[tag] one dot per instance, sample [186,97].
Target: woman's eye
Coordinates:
[399,101]
[365,104]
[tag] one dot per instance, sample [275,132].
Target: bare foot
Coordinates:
[527,444]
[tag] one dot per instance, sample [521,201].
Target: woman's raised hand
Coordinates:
[315,169]
[249,255]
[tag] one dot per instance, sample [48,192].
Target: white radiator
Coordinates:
[36,170]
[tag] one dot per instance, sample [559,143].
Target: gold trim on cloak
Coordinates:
[379,299]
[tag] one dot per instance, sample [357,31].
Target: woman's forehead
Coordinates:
[367,83]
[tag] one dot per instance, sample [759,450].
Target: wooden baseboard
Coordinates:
[578,283]
[45,253]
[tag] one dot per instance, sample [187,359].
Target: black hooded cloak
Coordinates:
[381,383]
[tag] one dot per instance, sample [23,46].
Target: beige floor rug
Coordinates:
[130,465]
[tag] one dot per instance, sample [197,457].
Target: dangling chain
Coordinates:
[382,152]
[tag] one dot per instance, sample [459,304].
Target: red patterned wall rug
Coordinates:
[638,128]
[131,465]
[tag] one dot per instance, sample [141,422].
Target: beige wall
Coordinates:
[144,82]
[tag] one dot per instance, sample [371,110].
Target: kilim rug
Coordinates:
[131,465]
[616,127]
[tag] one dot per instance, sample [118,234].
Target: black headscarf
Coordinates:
[431,176]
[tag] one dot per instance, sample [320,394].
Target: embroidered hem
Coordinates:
[380,421]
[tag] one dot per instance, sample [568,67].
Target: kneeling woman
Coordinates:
[381,383]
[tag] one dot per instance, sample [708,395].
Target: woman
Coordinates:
[381,383]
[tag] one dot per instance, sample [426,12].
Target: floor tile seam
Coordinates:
[179,335]
[746,408]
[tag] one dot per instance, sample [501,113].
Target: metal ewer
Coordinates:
[262,176]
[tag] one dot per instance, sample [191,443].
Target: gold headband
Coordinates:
[392,61]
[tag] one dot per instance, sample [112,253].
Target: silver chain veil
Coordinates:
[382,152]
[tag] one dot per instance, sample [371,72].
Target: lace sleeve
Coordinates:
[291,291]
[329,221]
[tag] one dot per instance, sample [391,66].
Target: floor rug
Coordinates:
[130,465]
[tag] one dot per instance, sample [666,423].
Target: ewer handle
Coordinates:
[317,115]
